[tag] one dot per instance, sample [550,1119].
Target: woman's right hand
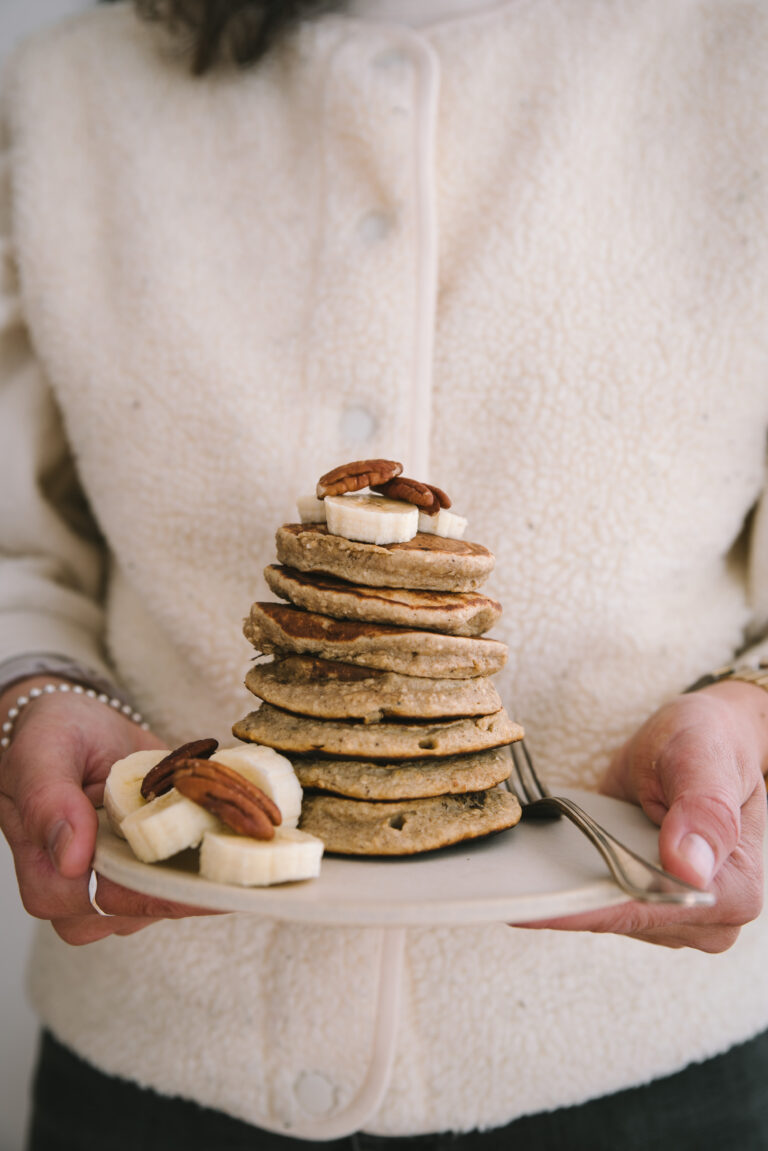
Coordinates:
[51,781]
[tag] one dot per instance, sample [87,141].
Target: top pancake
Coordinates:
[455,613]
[427,561]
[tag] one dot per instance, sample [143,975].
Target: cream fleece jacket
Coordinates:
[526,252]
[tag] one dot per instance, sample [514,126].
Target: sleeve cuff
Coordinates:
[38,636]
[49,663]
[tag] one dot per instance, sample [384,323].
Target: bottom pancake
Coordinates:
[407,827]
[405,779]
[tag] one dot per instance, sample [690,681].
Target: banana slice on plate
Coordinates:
[371,519]
[270,771]
[122,791]
[167,825]
[291,855]
[170,823]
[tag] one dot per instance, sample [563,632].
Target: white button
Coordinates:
[391,60]
[357,423]
[314,1093]
[374,226]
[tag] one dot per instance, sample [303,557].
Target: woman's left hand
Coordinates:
[696,768]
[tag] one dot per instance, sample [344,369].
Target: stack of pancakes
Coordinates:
[380,692]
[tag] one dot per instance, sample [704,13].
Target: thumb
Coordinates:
[54,811]
[702,825]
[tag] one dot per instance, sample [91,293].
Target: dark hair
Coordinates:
[238,30]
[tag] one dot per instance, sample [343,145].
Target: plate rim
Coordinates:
[114,860]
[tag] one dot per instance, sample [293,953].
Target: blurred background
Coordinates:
[17,1025]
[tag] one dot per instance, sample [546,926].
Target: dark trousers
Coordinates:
[721,1104]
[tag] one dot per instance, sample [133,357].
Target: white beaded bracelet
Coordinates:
[76,689]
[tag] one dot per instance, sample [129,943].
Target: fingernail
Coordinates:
[696,851]
[58,841]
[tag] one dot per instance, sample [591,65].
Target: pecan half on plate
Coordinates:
[227,794]
[160,778]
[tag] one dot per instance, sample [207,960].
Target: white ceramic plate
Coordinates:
[533,871]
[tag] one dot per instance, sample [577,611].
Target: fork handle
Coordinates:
[635,875]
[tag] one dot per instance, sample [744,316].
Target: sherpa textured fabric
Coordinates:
[524,252]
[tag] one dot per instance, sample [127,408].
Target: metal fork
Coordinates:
[636,876]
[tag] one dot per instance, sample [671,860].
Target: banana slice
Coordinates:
[167,825]
[311,510]
[122,791]
[229,858]
[371,519]
[443,523]
[271,772]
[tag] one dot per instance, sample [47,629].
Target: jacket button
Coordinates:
[314,1093]
[374,226]
[357,423]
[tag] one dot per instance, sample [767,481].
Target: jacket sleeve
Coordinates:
[51,559]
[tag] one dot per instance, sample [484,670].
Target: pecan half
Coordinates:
[227,794]
[359,474]
[426,496]
[160,778]
[440,496]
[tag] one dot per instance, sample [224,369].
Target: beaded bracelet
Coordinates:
[76,689]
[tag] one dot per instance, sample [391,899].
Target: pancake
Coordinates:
[355,827]
[455,613]
[330,690]
[278,629]
[427,561]
[405,779]
[300,735]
